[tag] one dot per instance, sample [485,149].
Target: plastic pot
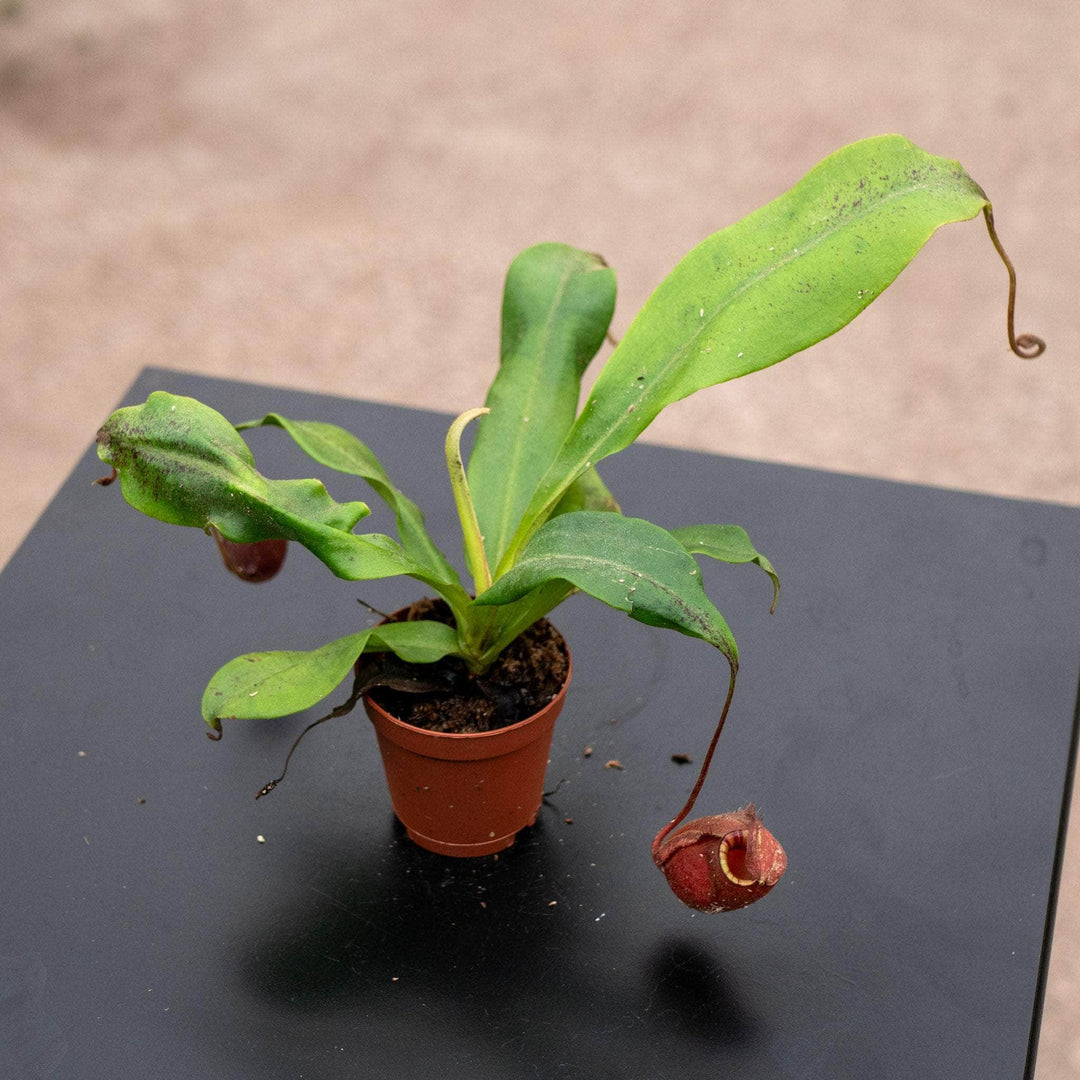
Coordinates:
[466,795]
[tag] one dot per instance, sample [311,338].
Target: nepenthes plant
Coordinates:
[537,521]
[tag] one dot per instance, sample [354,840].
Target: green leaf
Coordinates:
[728,543]
[629,564]
[261,685]
[339,449]
[182,462]
[587,492]
[557,305]
[781,279]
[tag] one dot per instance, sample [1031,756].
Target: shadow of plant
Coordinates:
[401,914]
[697,997]
[495,960]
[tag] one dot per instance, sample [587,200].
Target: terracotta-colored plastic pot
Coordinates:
[466,795]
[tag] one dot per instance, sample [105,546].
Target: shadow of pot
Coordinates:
[466,795]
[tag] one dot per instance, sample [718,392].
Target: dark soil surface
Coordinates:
[528,674]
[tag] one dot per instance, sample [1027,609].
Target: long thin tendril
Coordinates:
[659,839]
[1027,346]
[360,687]
[341,710]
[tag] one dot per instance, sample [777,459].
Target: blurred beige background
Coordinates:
[327,195]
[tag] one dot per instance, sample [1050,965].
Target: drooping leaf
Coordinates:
[628,563]
[339,449]
[182,462]
[728,543]
[557,305]
[781,279]
[261,685]
[177,457]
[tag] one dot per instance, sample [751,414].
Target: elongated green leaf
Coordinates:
[339,449]
[728,543]
[261,685]
[182,462]
[776,282]
[557,306]
[628,563]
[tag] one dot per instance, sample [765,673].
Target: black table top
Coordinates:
[906,723]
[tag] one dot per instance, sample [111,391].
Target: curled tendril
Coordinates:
[105,481]
[341,710]
[362,683]
[1027,346]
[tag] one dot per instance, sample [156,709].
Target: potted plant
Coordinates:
[469,682]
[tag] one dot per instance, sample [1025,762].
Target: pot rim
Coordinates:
[467,736]
[456,736]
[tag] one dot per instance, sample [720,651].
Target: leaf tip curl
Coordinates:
[1026,346]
